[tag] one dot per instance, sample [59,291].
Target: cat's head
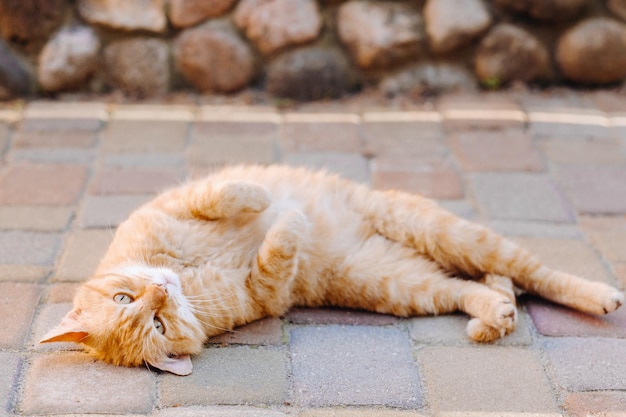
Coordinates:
[132,316]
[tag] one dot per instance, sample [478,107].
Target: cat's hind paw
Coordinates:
[478,331]
[601,299]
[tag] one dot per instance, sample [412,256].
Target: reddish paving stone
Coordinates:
[53,140]
[23,273]
[66,156]
[61,292]
[119,180]
[608,236]
[555,320]
[587,363]
[35,218]
[349,165]
[262,332]
[596,404]
[600,152]
[520,196]
[470,111]
[65,116]
[321,136]
[509,150]
[432,178]
[9,368]
[28,248]
[144,136]
[82,254]
[17,306]
[145,160]
[415,139]
[353,365]
[108,210]
[338,316]
[595,190]
[42,184]
[74,383]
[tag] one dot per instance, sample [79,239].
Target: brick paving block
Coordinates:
[535,229]
[62,292]
[9,368]
[359,412]
[262,332]
[29,139]
[233,143]
[23,273]
[566,151]
[54,156]
[28,248]
[596,404]
[50,219]
[413,139]
[587,363]
[608,236]
[433,178]
[82,254]
[595,190]
[520,196]
[338,316]
[223,411]
[74,383]
[233,375]
[486,381]
[353,365]
[132,180]
[42,184]
[349,165]
[507,150]
[144,136]
[17,306]
[450,329]
[555,320]
[470,111]
[572,256]
[619,270]
[48,318]
[145,160]
[462,208]
[51,116]
[108,210]
[320,136]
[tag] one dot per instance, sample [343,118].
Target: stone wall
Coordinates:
[306,49]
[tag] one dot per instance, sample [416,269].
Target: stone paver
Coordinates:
[82,253]
[353,365]
[36,218]
[108,210]
[349,165]
[486,381]
[307,134]
[262,332]
[595,190]
[9,363]
[596,404]
[338,316]
[607,235]
[28,248]
[139,136]
[588,364]
[132,180]
[17,306]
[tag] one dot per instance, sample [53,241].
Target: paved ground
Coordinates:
[549,171]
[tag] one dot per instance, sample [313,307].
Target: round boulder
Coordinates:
[275,24]
[212,57]
[509,53]
[618,8]
[426,78]
[185,13]
[15,78]
[310,74]
[25,21]
[139,66]
[380,34]
[593,52]
[124,14]
[552,10]
[68,59]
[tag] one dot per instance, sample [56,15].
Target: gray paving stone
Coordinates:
[588,364]
[82,254]
[596,404]
[338,316]
[595,190]
[28,248]
[48,318]
[349,165]
[223,411]
[24,273]
[145,160]
[234,375]
[17,307]
[520,196]
[73,382]
[353,365]
[49,219]
[9,364]
[144,136]
[359,412]
[536,229]
[470,381]
[267,331]
[108,210]
[54,156]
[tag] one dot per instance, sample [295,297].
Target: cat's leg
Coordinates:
[275,266]
[216,200]
[473,250]
[477,329]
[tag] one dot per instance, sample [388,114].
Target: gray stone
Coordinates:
[212,57]
[349,165]
[126,15]
[185,13]
[595,190]
[380,34]
[138,66]
[9,363]
[23,248]
[545,10]
[30,21]
[353,365]
[310,74]
[68,59]
[15,79]
[108,210]
[509,53]
[451,24]
[428,78]
[273,25]
[593,52]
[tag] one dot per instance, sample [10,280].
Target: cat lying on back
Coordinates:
[251,242]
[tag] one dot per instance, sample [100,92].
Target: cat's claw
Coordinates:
[602,299]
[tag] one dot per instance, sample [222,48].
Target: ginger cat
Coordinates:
[251,242]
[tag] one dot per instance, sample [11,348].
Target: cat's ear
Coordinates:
[69,330]
[179,365]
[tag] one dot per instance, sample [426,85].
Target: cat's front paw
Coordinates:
[606,299]
[244,196]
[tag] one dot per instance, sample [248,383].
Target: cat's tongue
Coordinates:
[178,365]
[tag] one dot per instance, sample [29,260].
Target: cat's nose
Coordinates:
[155,296]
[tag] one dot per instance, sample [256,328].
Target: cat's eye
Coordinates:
[158,325]
[122,298]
